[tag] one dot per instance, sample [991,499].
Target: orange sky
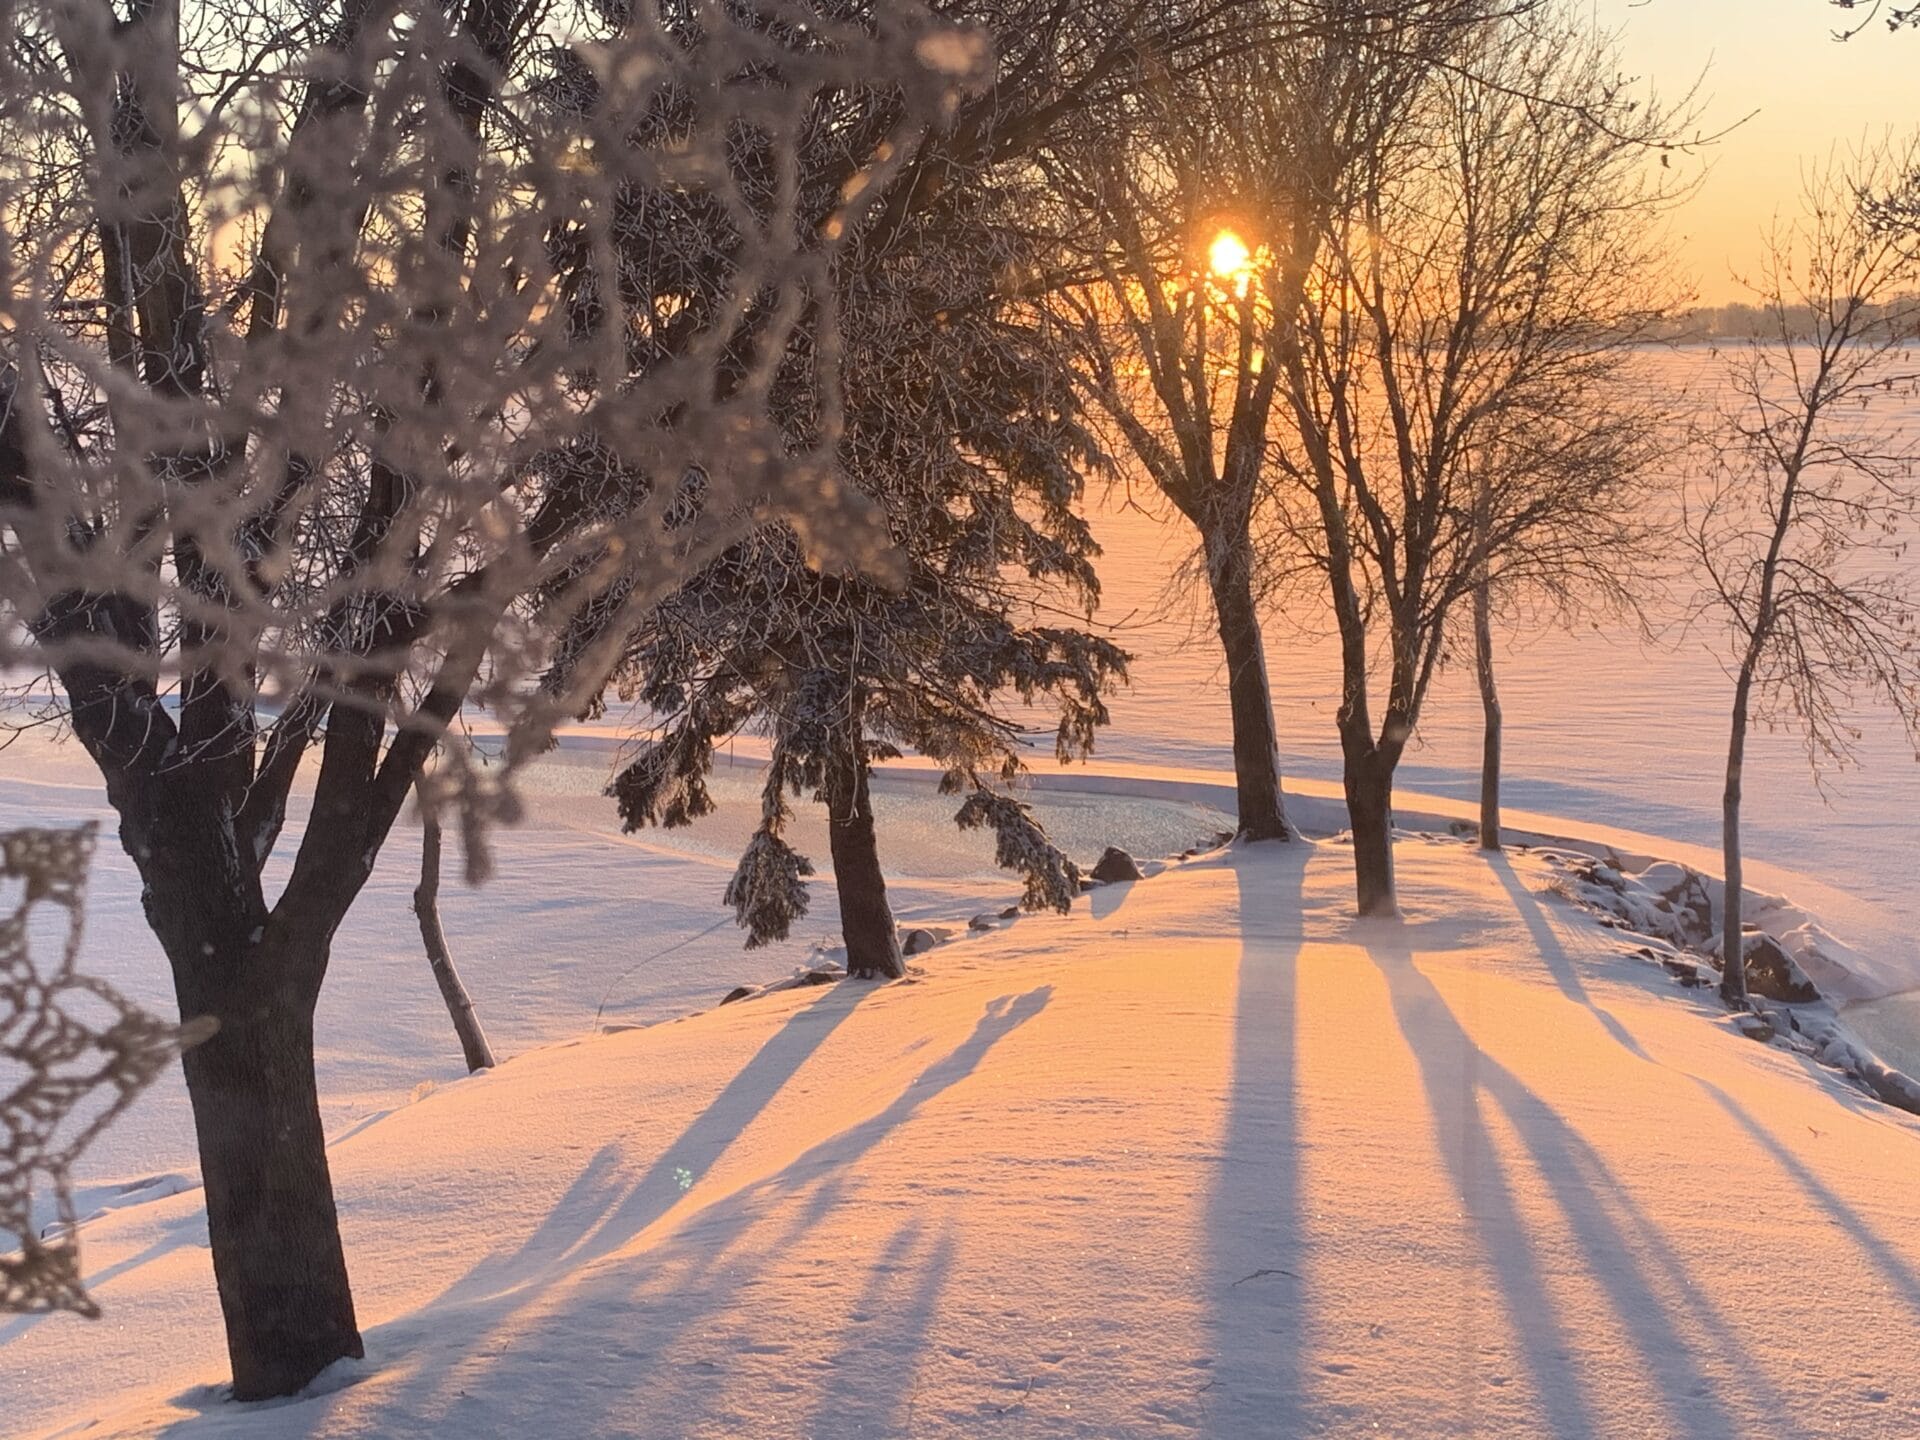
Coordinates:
[1776,57]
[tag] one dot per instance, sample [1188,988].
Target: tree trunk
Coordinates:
[426,906]
[275,1235]
[1490,713]
[866,920]
[1733,960]
[1256,749]
[278,1263]
[1369,787]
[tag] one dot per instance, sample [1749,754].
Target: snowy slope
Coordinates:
[578,925]
[1208,1157]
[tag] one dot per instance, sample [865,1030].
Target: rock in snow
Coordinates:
[1114,865]
[1772,973]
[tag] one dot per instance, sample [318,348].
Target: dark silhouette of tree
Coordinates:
[1456,410]
[286,390]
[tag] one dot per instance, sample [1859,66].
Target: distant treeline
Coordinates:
[1753,322]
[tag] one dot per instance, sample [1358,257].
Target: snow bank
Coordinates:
[1206,1158]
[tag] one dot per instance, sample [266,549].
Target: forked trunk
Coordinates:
[1256,749]
[426,908]
[1490,717]
[866,919]
[1369,787]
[271,1224]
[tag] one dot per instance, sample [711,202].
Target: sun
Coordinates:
[1228,257]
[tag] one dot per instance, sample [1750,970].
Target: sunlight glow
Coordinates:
[1228,257]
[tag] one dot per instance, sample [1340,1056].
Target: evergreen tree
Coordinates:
[960,425]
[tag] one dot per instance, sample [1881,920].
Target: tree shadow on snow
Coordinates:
[1559,964]
[1883,1256]
[710,1299]
[594,1217]
[1257,1298]
[1697,1364]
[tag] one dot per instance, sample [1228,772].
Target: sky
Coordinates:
[1807,94]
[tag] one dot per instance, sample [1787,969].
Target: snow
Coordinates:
[1206,1157]
[579,926]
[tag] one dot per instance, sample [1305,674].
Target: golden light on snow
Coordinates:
[1228,256]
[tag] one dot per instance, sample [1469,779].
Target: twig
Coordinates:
[1262,1274]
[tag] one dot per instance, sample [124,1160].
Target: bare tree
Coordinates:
[1592,561]
[1895,17]
[1173,334]
[1186,207]
[292,400]
[474,1048]
[1201,208]
[1456,404]
[1810,502]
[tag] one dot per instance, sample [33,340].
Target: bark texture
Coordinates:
[1490,717]
[278,1263]
[866,919]
[277,1258]
[1733,960]
[1256,749]
[1369,788]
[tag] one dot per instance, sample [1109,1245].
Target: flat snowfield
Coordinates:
[1208,1157]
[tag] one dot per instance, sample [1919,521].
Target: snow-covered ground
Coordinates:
[580,925]
[1207,1157]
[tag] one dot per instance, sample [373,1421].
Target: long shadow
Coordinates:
[1884,1257]
[612,1309]
[178,1234]
[848,1404]
[592,1219]
[1583,1185]
[1449,1064]
[1001,1018]
[1456,1073]
[1559,964]
[586,1203]
[1257,1279]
